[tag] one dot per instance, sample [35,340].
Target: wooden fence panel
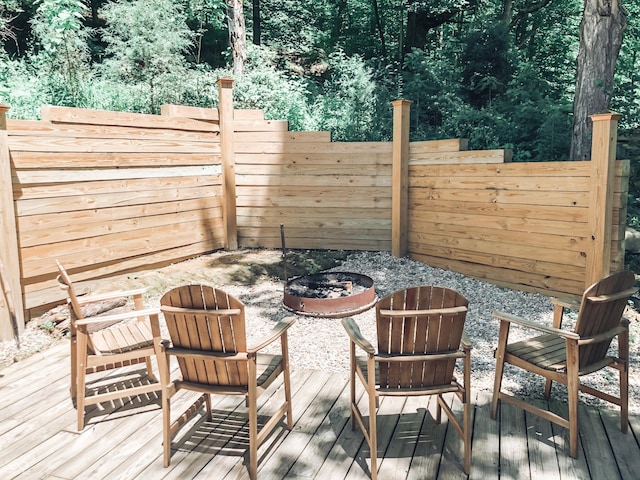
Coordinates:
[332,195]
[523,226]
[107,192]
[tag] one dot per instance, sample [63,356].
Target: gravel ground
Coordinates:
[321,343]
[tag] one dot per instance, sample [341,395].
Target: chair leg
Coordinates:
[373,406]
[81,374]
[352,384]
[286,379]
[373,436]
[573,387]
[150,374]
[253,420]
[624,400]
[207,404]
[467,433]
[74,367]
[623,354]
[166,426]
[500,352]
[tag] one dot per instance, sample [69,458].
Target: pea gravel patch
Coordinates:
[254,277]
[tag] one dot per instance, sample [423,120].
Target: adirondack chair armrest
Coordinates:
[353,330]
[276,332]
[98,297]
[507,317]
[152,313]
[465,341]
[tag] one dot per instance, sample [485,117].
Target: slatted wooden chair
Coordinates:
[208,338]
[420,339]
[564,356]
[105,342]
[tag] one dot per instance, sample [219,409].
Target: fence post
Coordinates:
[602,184]
[227,152]
[400,178]
[9,252]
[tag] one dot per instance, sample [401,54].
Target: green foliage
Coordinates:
[486,68]
[21,88]
[346,102]
[146,41]
[265,87]
[62,48]
[8,10]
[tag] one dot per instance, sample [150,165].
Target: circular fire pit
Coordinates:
[330,294]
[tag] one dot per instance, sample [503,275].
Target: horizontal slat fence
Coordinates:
[524,226]
[108,193]
[327,195]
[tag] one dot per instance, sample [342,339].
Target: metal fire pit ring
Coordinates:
[330,294]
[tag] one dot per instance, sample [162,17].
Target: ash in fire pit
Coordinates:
[330,294]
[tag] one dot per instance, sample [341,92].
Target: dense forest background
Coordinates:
[501,73]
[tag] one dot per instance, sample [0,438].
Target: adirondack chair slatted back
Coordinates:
[598,314]
[418,335]
[218,326]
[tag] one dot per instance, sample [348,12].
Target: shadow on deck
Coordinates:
[38,438]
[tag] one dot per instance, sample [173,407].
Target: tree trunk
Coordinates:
[257,31]
[237,35]
[601,30]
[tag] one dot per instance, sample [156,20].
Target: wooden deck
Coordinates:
[38,438]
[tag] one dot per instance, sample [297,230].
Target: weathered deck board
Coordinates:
[124,441]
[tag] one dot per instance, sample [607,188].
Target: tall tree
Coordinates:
[603,23]
[237,35]
[256,22]
[146,42]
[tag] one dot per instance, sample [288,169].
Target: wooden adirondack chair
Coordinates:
[208,337]
[563,356]
[420,338]
[104,342]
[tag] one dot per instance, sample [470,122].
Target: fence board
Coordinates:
[434,146]
[527,183]
[65,204]
[69,115]
[499,224]
[525,280]
[486,245]
[310,148]
[202,132]
[37,260]
[70,144]
[208,114]
[39,160]
[468,156]
[380,158]
[364,179]
[76,231]
[88,175]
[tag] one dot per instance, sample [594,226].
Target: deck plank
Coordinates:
[485,451]
[514,455]
[123,440]
[543,460]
